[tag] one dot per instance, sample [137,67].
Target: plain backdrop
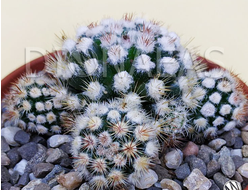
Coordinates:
[216,28]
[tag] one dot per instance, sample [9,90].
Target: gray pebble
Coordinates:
[14,157]
[173,159]
[42,186]
[229,137]
[66,147]
[238,143]
[227,166]
[5,161]
[14,177]
[220,179]
[39,140]
[4,145]
[56,156]
[28,150]
[238,161]
[42,169]
[24,179]
[5,175]
[199,164]
[238,177]
[5,186]
[212,167]
[183,171]
[205,153]
[56,170]
[216,144]
[39,157]
[236,152]
[214,186]
[22,137]
[66,162]
[162,172]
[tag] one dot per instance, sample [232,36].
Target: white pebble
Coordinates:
[8,133]
[20,166]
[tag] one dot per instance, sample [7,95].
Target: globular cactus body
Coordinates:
[30,104]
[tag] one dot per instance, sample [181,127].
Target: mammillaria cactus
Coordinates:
[30,104]
[121,56]
[111,142]
[221,103]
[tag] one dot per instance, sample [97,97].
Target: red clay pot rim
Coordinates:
[39,63]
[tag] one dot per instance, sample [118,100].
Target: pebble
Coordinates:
[66,162]
[38,139]
[14,188]
[58,187]
[66,147]
[42,169]
[205,153]
[70,180]
[245,151]
[22,137]
[39,157]
[227,166]
[14,177]
[8,133]
[57,140]
[20,166]
[24,179]
[32,184]
[224,151]
[145,180]
[5,161]
[161,172]
[214,186]
[190,149]
[195,162]
[212,167]
[229,137]
[5,175]
[170,184]
[238,177]
[5,186]
[42,186]
[238,161]
[56,170]
[238,143]
[196,180]
[236,132]
[243,170]
[236,152]
[28,150]
[216,144]
[56,156]
[244,136]
[4,145]
[183,171]
[32,177]
[14,157]
[220,179]
[173,159]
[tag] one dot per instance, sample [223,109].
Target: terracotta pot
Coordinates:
[38,65]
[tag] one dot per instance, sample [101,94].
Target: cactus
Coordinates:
[222,104]
[30,104]
[113,140]
[117,57]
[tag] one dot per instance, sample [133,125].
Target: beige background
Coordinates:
[216,26]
